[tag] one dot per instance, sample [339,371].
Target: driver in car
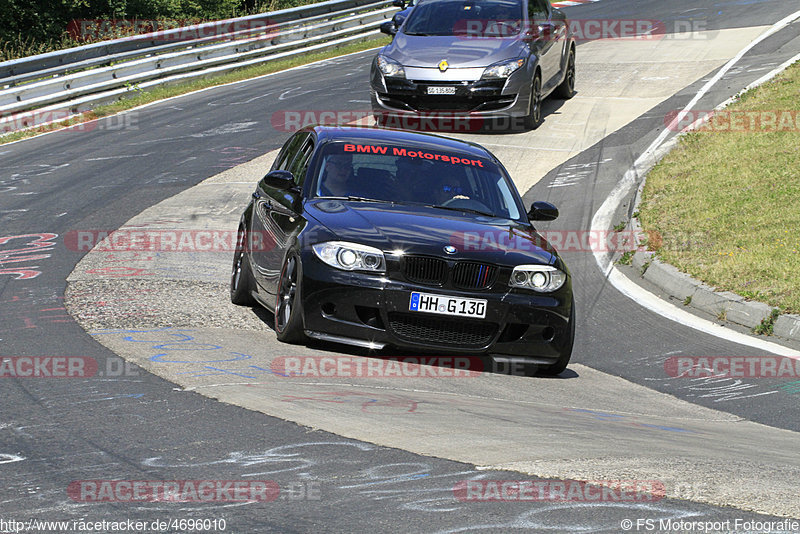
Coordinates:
[503,22]
[337,176]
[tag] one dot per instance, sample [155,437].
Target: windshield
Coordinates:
[465,17]
[416,175]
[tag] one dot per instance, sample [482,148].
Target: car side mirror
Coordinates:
[399,3]
[536,31]
[388,28]
[542,211]
[280,180]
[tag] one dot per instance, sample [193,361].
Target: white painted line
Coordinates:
[121,156]
[761,81]
[718,76]
[602,220]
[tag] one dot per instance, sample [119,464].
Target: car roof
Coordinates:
[400,137]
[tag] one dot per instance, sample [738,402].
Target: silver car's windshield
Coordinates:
[462,17]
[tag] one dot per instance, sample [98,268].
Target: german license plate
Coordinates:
[433,90]
[441,304]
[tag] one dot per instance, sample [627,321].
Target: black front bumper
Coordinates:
[375,308]
[469,97]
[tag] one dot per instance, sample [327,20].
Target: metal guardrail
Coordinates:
[71,81]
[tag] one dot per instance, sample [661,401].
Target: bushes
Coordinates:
[30,27]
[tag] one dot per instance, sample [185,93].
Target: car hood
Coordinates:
[417,229]
[427,51]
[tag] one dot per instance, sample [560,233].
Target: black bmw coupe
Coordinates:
[374,237]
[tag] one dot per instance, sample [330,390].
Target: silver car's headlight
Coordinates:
[351,256]
[541,278]
[390,67]
[504,69]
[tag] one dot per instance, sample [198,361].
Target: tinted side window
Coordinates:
[289,151]
[299,165]
[537,11]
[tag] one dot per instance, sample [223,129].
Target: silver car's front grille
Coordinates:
[482,95]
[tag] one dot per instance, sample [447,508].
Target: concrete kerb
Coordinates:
[694,293]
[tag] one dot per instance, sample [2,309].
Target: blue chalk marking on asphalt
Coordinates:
[226,371]
[270,371]
[791,387]
[159,358]
[184,336]
[185,342]
[601,415]
[195,374]
[188,346]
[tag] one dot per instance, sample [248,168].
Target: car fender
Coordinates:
[247,215]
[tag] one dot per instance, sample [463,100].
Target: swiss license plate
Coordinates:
[463,307]
[433,90]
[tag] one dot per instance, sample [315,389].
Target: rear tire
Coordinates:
[566,353]
[566,89]
[242,277]
[289,303]
[534,117]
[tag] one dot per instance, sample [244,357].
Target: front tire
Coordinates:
[288,304]
[242,277]
[534,117]
[566,89]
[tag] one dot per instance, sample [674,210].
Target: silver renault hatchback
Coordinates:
[483,59]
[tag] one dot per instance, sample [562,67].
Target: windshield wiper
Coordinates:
[468,210]
[356,199]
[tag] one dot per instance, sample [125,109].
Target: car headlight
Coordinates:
[390,67]
[541,278]
[504,69]
[350,256]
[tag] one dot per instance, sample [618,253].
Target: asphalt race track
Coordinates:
[196,396]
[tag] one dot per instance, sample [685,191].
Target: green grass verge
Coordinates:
[138,97]
[724,206]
